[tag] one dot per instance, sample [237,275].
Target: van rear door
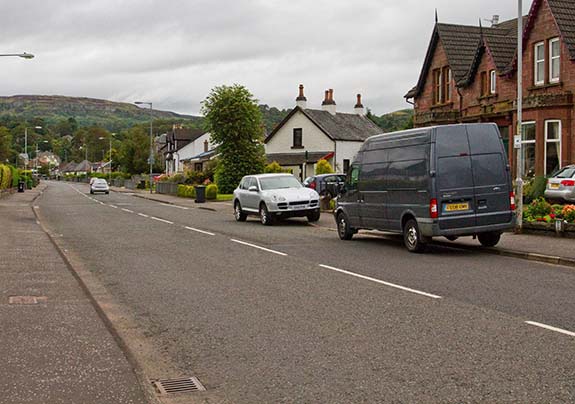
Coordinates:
[490,174]
[454,178]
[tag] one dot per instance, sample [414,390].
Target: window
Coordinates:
[554,60]
[528,148]
[297,139]
[484,84]
[446,78]
[539,58]
[492,83]
[345,166]
[552,146]
[198,167]
[353,178]
[437,96]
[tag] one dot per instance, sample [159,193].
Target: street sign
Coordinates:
[151,160]
[517,142]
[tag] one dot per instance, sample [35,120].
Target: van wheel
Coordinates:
[344,231]
[489,239]
[412,238]
[238,213]
[265,217]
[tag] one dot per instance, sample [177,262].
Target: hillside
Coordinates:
[86,111]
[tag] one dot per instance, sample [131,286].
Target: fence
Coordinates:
[168,188]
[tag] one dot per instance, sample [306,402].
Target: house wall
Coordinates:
[345,150]
[424,102]
[313,139]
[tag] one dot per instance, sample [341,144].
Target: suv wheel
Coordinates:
[265,217]
[489,239]
[412,238]
[238,213]
[313,217]
[344,231]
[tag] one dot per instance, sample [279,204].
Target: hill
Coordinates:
[86,111]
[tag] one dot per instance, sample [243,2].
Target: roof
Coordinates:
[295,158]
[341,126]
[189,134]
[202,155]
[564,13]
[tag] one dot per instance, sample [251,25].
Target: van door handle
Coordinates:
[497,188]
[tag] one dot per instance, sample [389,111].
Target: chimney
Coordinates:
[358,108]
[301,101]
[328,103]
[495,19]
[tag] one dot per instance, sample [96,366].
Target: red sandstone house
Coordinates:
[470,75]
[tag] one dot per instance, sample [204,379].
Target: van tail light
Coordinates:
[568,183]
[512,200]
[312,185]
[433,212]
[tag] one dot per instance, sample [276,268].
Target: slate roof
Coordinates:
[341,126]
[564,13]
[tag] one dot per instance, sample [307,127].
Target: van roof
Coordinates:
[407,132]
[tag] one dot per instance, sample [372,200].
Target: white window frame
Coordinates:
[536,61]
[551,141]
[551,58]
[524,142]
[492,82]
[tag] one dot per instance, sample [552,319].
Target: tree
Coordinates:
[235,123]
[6,152]
[135,150]
[323,167]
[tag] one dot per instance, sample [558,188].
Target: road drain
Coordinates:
[173,386]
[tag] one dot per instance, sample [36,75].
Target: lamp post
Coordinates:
[519,136]
[110,169]
[20,55]
[26,143]
[151,158]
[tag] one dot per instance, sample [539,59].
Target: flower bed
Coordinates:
[542,217]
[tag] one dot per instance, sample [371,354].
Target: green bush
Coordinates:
[274,167]
[186,191]
[323,167]
[15,177]
[212,192]
[537,209]
[5,176]
[534,189]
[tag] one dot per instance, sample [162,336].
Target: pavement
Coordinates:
[55,346]
[549,249]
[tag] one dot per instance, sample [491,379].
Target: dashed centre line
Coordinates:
[127,210]
[551,328]
[161,220]
[393,285]
[199,231]
[143,215]
[258,247]
[113,206]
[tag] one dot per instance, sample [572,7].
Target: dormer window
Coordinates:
[554,60]
[539,60]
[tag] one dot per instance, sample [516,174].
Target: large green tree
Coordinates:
[235,123]
[6,151]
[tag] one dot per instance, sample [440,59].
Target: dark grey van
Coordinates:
[451,181]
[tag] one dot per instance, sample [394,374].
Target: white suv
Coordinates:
[274,196]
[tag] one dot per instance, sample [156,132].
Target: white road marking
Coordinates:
[127,210]
[174,206]
[161,220]
[113,206]
[199,231]
[143,215]
[393,285]
[548,327]
[258,247]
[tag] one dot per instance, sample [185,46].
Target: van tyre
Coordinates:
[266,217]
[412,237]
[313,217]
[344,231]
[238,213]
[489,239]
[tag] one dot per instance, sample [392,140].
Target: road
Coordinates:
[290,313]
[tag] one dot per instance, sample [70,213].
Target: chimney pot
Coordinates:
[301,101]
[329,104]
[495,19]
[325,98]
[358,109]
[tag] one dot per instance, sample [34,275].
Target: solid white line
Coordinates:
[127,210]
[174,206]
[161,220]
[113,206]
[548,327]
[199,231]
[143,215]
[393,285]
[257,246]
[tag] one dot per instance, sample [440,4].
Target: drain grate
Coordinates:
[182,385]
[27,299]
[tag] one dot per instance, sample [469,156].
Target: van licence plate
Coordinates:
[452,207]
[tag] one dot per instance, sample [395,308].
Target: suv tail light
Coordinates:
[512,200]
[568,183]
[312,184]
[433,212]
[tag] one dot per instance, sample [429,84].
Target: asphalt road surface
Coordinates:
[290,313]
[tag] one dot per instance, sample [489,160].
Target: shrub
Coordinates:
[194,177]
[178,178]
[568,213]
[323,167]
[534,189]
[274,167]
[15,177]
[212,192]
[186,191]
[5,177]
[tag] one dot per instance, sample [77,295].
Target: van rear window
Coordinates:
[488,169]
[451,141]
[454,173]
[484,139]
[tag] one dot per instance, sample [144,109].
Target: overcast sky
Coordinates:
[172,52]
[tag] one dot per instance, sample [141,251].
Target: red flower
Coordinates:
[552,216]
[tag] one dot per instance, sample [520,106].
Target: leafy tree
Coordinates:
[6,152]
[323,167]
[234,121]
[135,150]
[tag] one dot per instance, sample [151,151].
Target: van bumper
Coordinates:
[430,228]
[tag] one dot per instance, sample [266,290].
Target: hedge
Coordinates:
[186,191]
[5,176]
[212,192]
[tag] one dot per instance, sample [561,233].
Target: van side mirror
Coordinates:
[253,188]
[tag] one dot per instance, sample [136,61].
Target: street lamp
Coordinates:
[85,148]
[518,145]
[26,143]
[151,158]
[20,55]
[110,169]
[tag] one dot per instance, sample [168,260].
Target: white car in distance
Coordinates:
[99,185]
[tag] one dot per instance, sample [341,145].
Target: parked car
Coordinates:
[274,196]
[561,185]
[450,181]
[327,185]
[99,185]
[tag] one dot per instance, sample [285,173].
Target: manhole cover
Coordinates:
[27,299]
[182,385]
